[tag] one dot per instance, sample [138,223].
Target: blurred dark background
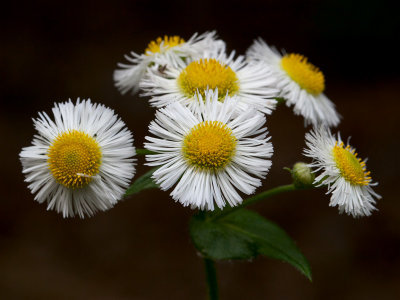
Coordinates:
[141,249]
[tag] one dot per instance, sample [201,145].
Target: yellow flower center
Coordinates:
[209,145]
[307,76]
[208,73]
[351,167]
[167,42]
[74,157]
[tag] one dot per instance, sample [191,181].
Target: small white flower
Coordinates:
[252,84]
[81,162]
[173,49]
[345,174]
[210,155]
[300,82]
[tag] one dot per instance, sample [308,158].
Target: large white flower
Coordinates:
[210,155]
[301,84]
[252,84]
[342,171]
[81,162]
[173,49]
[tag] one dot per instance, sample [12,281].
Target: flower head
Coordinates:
[343,172]
[173,49]
[301,84]
[81,162]
[210,155]
[252,84]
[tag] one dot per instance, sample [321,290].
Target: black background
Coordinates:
[140,249]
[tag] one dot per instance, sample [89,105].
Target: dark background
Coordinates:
[141,249]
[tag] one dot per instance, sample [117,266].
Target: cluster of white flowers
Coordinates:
[208,137]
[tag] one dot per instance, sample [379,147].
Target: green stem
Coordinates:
[143,152]
[211,276]
[254,199]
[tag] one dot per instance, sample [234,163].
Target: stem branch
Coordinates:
[254,199]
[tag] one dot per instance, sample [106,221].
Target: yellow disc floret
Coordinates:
[351,167]
[74,158]
[209,145]
[307,76]
[208,73]
[167,42]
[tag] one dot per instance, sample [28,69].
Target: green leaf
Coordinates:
[244,234]
[144,152]
[144,182]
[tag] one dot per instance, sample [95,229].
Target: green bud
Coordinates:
[302,175]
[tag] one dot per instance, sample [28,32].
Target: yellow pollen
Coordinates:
[167,42]
[74,157]
[209,145]
[203,73]
[351,167]
[308,76]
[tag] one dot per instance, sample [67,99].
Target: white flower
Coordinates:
[345,174]
[253,84]
[82,161]
[300,82]
[170,48]
[210,155]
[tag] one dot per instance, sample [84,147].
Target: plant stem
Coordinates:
[143,152]
[211,277]
[254,199]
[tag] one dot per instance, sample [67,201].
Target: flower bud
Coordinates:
[302,175]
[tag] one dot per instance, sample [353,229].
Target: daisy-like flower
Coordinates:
[81,162]
[342,171]
[210,155]
[173,49]
[301,84]
[252,84]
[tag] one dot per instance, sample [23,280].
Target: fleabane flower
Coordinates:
[301,84]
[80,163]
[343,172]
[207,157]
[172,49]
[252,84]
